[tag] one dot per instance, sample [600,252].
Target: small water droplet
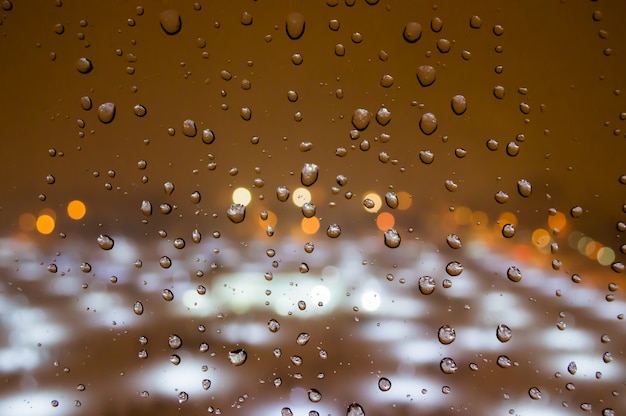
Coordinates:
[237,357]
[427,157]
[236,213]
[501,197]
[170,21]
[105,242]
[303,338]
[498,92]
[508,230]
[392,238]
[167,295]
[273,325]
[572,368]
[106,112]
[84,65]
[174,341]
[285,411]
[309,247]
[475,22]
[428,123]
[504,333]
[333,231]
[454,268]
[361,119]
[146,208]
[426,285]
[446,334]
[448,366]
[534,393]
[426,75]
[165,262]
[182,397]
[138,308]
[514,274]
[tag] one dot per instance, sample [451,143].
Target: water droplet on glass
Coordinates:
[454,268]
[167,294]
[285,411]
[514,274]
[237,357]
[355,409]
[361,119]
[138,308]
[273,325]
[189,128]
[168,187]
[309,174]
[427,157]
[295,25]
[508,230]
[182,397]
[333,231]
[524,188]
[426,75]
[475,22]
[165,262]
[391,198]
[146,208]
[206,384]
[309,247]
[572,368]
[84,65]
[105,242]
[503,361]
[459,104]
[426,285]
[534,393]
[54,403]
[174,341]
[412,32]
[52,268]
[454,241]
[170,21]
[501,197]
[236,213]
[106,112]
[498,92]
[428,123]
[368,203]
[504,333]
[386,81]
[303,338]
[446,334]
[140,110]
[392,238]
[448,366]
[314,395]
[308,210]
[85,103]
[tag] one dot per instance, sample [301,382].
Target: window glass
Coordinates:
[312,208]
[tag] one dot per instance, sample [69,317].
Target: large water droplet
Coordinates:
[165,262]
[504,333]
[503,361]
[454,268]
[106,112]
[355,409]
[333,231]
[427,157]
[170,21]
[314,395]
[309,174]
[174,341]
[84,65]
[514,274]
[237,357]
[182,397]
[236,213]
[426,75]
[392,238]
[446,334]
[448,366]
[534,393]
[138,308]
[146,208]
[426,285]
[459,104]
[308,210]
[189,128]
[501,197]
[384,384]
[428,123]
[412,32]
[167,295]
[282,193]
[295,25]
[303,338]
[524,188]
[391,198]
[206,384]
[361,118]
[273,325]
[105,242]
[454,241]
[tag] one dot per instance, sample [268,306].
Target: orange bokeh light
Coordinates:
[310,225]
[385,221]
[557,220]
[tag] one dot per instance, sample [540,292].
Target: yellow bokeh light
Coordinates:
[376,199]
[300,196]
[592,248]
[540,238]
[385,221]
[310,225]
[479,219]
[581,246]
[242,196]
[405,200]
[45,224]
[605,256]
[26,222]
[462,215]
[76,209]
[557,220]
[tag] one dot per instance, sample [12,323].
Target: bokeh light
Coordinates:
[540,238]
[557,220]
[76,209]
[385,221]
[605,256]
[405,200]
[300,196]
[310,225]
[242,196]
[26,221]
[462,215]
[376,199]
[45,224]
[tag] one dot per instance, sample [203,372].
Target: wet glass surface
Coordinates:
[342,207]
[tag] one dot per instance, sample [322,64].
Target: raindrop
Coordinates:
[140,110]
[448,366]
[195,197]
[85,103]
[170,21]
[504,333]
[333,231]
[309,174]
[167,295]
[451,185]
[84,65]
[308,210]
[296,360]
[492,144]
[138,308]
[391,198]
[426,75]
[168,187]
[392,238]
[503,361]
[208,136]
[426,285]
[501,197]
[85,267]
[175,359]
[54,403]
[174,341]
[189,128]
[428,123]
[303,338]
[52,268]
[295,25]
[297,59]
[512,149]
[384,384]
[273,325]
[368,203]
[454,241]
[524,188]
[361,118]
[524,108]
[459,104]
[301,305]
[105,242]
[314,395]
[245,113]
[165,262]
[427,157]
[454,268]
[309,247]
[106,112]
[236,213]
[576,212]
[514,274]
[412,32]
[355,409]
[386,81]
[146,208]
[508,230]
[446,334]
[237,357]
[383,116]
[534,393]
